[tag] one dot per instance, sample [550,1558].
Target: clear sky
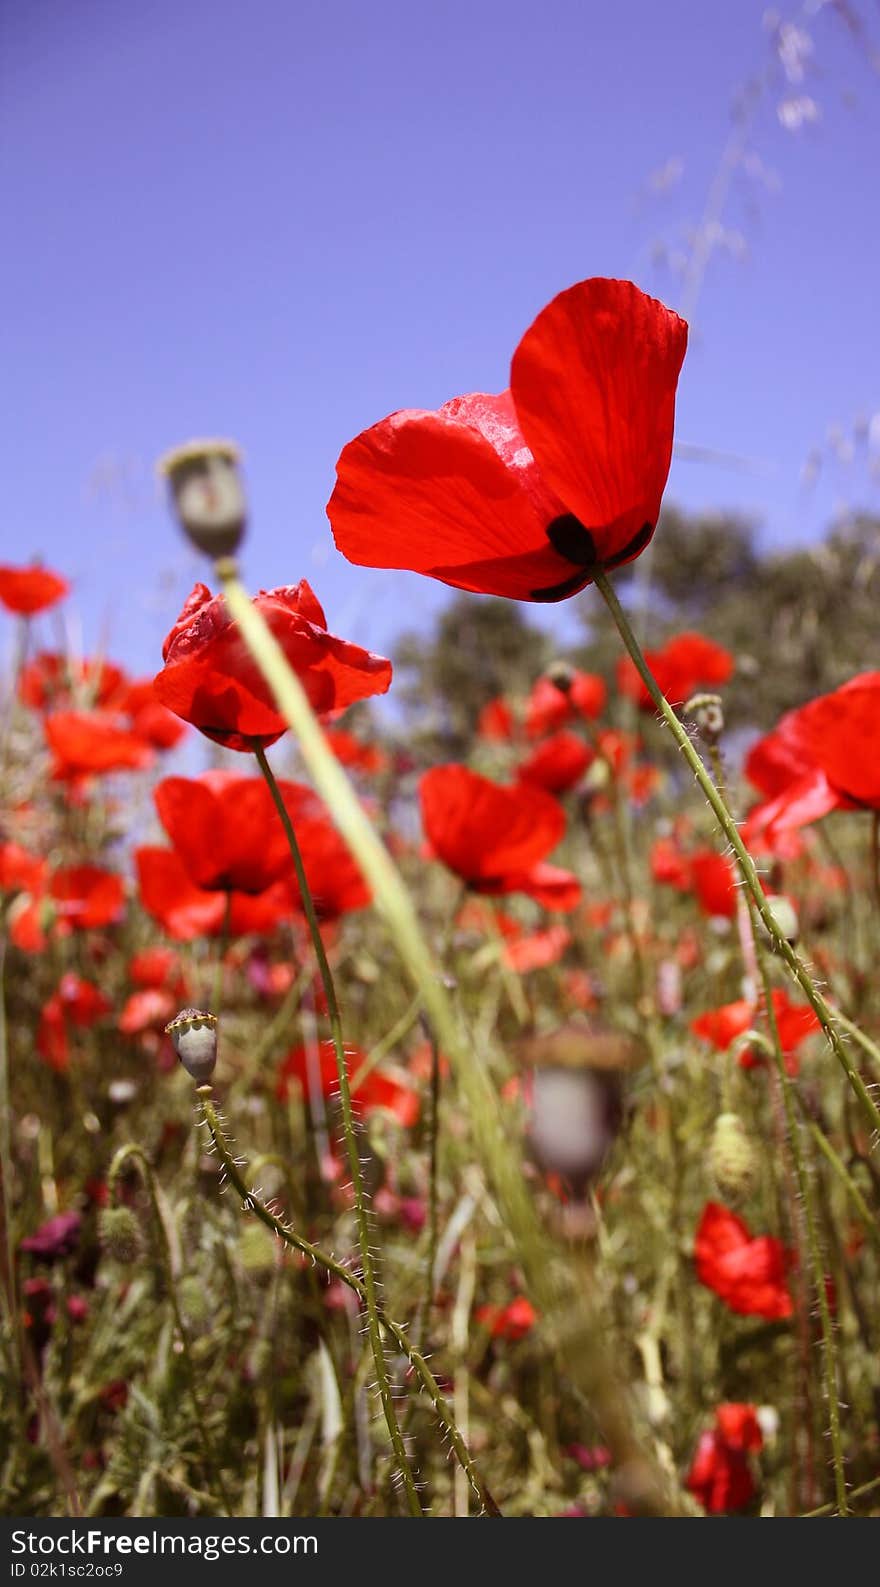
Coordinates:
[281,220]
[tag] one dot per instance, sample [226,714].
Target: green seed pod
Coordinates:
[785,916]
[194,1034]
[121,1235]
[193,1300]
[733,1162]
[207,494]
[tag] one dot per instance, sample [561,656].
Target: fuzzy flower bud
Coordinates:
[207,494]
[121,1235]
[194,1034]
[708,715]
[732,1160]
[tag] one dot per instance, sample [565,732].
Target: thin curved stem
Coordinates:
[351,1142]
[253,1203]
[824,1013]
[136,1155]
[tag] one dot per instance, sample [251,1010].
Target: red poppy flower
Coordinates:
[211,679]
[378,1090]
[719,1476]
[92,743]
[549,707]
[353,752]
[75,898]
[782,765]
[683,665]
[714,882]
[525,494]
[150,1008]
[76,1004]
[20,872]
[496,838]
[150,720]
[496,720]
[157,967]
[535,950]
[186,911]
[557,764]
[721,1026]
[838,732]
[512,1321]
[226,830]
[30,590]
[52,681]
[794,1023]
[738,1425]
[746,1271]
[335,882]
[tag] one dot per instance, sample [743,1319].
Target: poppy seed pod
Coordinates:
[208,495]
[732,1159]
[194,1034]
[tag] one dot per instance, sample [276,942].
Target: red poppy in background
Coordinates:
[74,898]
[496,720]
[20,871]
[226,830]
[783,767]
[549,707]
[669,866]
[747,1272]
[557,764]
[52,681]
[684,664]
[713,879]
[839,733]
[496,838]
[525,494]
[720,1476]
[211,679]
[30,590]
[335,882]
[76,1004]
[353,752]
[512,1321]
[378,1090]
[535,950]
[794,1023]
[91,744]
[150,720]
[161,988]
[187,911]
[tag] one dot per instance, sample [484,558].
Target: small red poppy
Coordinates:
[52,681]
[557,764]
[91,744]
[496,838]
[747,1272]
[512,1321]
[549,707]
[211,679]
[30,590]
[525,494]
[496,721]
[378,1090]
[76,1004]
[683,665]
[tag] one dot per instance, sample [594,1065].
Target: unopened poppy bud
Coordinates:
[733,1162]
[707,712]
[208,495]
[785,916]
[561,674]
[194,1034]
[121,1235]
[193,1300]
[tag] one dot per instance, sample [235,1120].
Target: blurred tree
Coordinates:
[482,647]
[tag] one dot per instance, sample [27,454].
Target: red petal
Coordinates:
[594,382]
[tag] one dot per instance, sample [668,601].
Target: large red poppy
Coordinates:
[840,733]
[226,830]
[783,767]
[525,494]
[496,838]
[211,679]
[747,1272]
[30,590]
[187,911]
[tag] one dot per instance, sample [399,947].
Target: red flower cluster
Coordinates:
[720,1476]
[494,838]
[747,1272]
[526,494]
[211,679]
[794,1023]
[708,875]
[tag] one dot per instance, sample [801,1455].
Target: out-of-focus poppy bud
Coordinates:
[208,494]
[577,1097]
[785,916]
[708,714]
[733,1161]
[194,1035]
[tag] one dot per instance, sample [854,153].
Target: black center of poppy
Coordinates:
[575,543]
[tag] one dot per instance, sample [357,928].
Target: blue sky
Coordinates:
[281,220]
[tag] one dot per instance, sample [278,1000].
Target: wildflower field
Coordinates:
[469,1106]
